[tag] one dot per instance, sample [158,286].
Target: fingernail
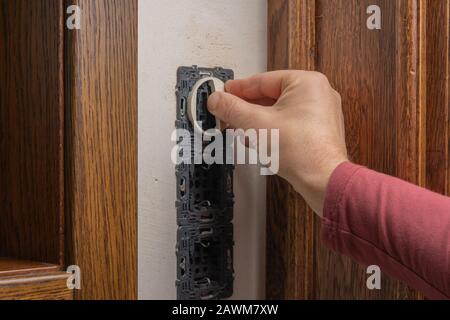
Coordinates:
[228,85]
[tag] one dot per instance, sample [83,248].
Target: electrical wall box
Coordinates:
[205,200]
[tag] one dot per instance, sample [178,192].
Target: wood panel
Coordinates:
[382,77]
[438,97]
[52,286]
[31,130]
[101,148]
[376,73]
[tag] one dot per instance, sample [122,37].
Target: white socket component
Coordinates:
[216,85]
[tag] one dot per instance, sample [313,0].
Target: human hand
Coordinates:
[306,110]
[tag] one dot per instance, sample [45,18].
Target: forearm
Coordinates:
[380,220]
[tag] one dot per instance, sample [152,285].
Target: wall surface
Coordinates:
[228,33]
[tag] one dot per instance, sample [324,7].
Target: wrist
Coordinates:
[312,185]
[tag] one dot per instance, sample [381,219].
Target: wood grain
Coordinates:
[31,130]
[12,267]
[376,74]
[101,148]
[51,286]
[438,96]
[383,77]
[290,260]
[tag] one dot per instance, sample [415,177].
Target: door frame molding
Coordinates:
[101,148]
[290,222]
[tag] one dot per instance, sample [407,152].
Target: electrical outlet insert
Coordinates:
[204,203]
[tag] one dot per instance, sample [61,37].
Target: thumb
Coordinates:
[233,110]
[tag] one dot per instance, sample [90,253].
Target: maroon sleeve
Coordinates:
[380,220]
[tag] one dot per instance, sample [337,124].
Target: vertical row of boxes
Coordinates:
[204,203]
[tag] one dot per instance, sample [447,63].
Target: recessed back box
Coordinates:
[204,203]
[205,262]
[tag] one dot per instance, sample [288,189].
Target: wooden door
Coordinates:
[68,149]
[395,95]
[31,150]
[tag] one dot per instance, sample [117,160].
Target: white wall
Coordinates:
[228,33]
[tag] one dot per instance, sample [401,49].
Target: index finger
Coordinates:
[264,85]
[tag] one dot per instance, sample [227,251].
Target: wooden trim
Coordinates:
[438,97]
[12,267]
[290,223]
[101,148]
[52,286]
[410,90]
[410,104]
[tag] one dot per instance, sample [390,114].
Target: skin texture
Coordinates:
[308,113]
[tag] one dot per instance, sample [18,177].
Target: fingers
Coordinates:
[265,85]
[266,102]
[234,111]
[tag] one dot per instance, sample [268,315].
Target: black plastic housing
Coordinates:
[204,204]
